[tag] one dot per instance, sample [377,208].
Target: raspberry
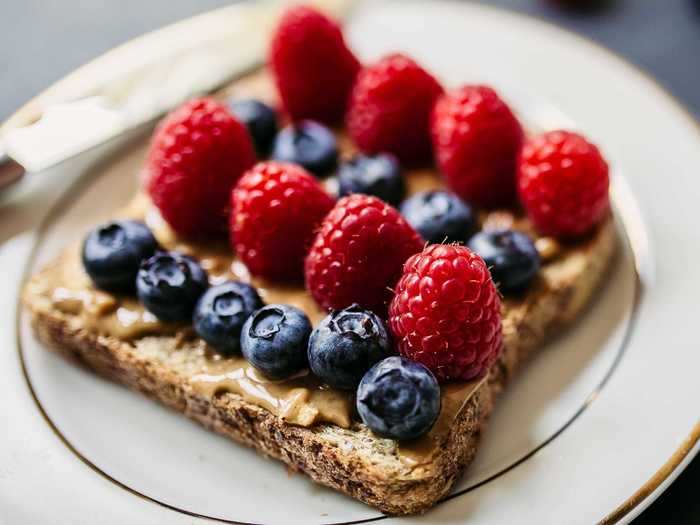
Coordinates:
[389,109]
[276,208]
[446,313]
[358,253]
[476,140]
[313,68]
[196,155]
[563,184]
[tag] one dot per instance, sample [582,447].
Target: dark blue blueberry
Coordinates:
[346,344]
[220,313]
[309,144]
[511,256]
[113,253]
[260,120]
[169,285]
[378,175]
[274,340]
[439,216]
[399,398]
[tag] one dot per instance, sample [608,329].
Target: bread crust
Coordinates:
[353,460]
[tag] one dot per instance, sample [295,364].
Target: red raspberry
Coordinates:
[446,313]
[276,208]
[389,109]
[358,253]
[196,156]
[314,69]
[476,139]
[563,184]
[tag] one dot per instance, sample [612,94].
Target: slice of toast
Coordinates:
[351,460]
[165,363]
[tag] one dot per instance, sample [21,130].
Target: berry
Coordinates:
[221,312]
[112,254]
[309,144]
[389,109]
[169,285]
[510,256]
[358,253]
[476,140]
[346,344]
[439,216]
[563,184]
[274,340]
[312,66]
[378,175]
[275,211]
[446,313]
[399,399]
[259,119]
[196,155]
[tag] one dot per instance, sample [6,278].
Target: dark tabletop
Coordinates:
[42,40]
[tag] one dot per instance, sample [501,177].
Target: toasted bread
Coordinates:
[165,365]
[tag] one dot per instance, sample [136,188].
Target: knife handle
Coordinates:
[10,171]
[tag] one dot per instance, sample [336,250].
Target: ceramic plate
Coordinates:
[593,429]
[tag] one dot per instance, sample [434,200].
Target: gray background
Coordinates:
[42,40]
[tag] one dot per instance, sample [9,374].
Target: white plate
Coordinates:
[578,437]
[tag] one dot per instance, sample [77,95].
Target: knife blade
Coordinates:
[140,81]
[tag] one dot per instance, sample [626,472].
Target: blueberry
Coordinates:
[113,253]
[439,216]
[378,175]
[345,344]
[309,144]
[274,340]
[511,256]
[399,398]
[260,120]
[221,312]
[169,285]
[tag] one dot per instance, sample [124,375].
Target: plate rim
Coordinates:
[689,447]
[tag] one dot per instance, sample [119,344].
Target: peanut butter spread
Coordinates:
[301,400]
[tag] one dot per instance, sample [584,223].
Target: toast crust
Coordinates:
[351,460]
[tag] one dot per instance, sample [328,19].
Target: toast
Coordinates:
[167,362]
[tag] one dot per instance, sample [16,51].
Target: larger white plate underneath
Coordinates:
[583,428]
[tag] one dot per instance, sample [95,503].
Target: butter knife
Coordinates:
[138,82]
